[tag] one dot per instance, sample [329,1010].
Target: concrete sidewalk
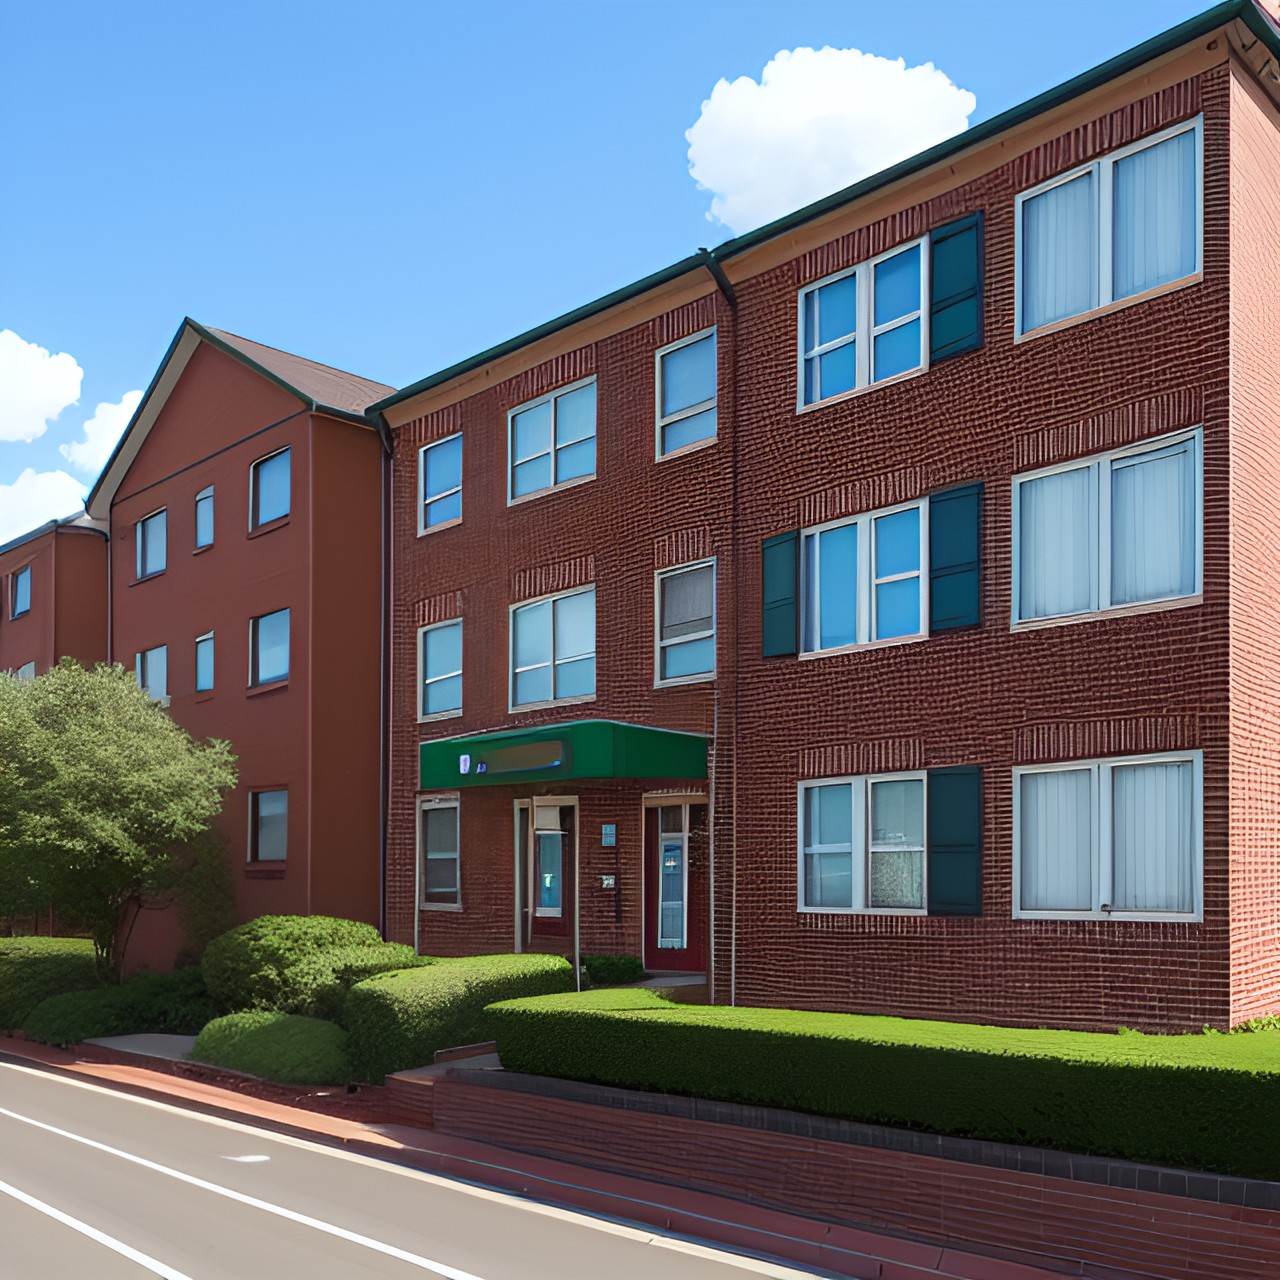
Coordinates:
[735,1225]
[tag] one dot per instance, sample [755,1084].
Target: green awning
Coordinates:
[580,749]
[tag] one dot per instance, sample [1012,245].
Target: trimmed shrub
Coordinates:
[1193,1101]
[609,971]
[276,1046]
[297,964]
[399,1020]
[33,968]
[167,1003]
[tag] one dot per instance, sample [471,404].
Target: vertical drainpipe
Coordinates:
[111,523]
[386,552]
[726,290]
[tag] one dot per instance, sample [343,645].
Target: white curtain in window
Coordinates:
[1152,839]
[1055,841]
[1055,544]
[687,602]
[1059,253]
[1155,216]
[1153,543]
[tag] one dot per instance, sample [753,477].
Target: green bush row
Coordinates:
[608,971]
[168,1003]
[33,968]
[399,1020]
[1208,1102]
[276,1046]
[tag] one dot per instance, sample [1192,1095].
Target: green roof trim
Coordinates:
[579,750]
[1193,28]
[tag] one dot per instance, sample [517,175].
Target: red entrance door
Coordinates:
[675,887]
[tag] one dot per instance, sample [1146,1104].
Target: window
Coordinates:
[151,544]
[20,600]
[1113,229]
[440,483]
[553,649]
[26,672]
[440,854]
[269,489]
[1119,529]
[864,580]
[686,393]
[441,658]
[864,325]
[151,667]
[268,826]
[862,844]
[553,441]
[686,611]
[269,648]
[1110,839]
[204,662]
[204,517]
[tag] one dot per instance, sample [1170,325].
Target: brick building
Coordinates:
[876,611]
[54,601]
[244,504]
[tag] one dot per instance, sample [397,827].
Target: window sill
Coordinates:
[554,702]
[867,911]
[892,643]
[440,906]
[203,695]
[694,446]
[440,715]
[555,488]
[845,396]
[1070,322]
[199,551]
[270,686]
[675,682]
[270,527]
[1100,615]
[150,577]
[423,530]
[1104,917]
[265,871]
[13,617]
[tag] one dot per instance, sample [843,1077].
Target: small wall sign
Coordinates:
[608,834]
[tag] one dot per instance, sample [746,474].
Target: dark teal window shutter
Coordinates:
[955,287]
[780,582]
[954,840]
[955,558]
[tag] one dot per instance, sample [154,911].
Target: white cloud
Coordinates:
[101,434]
[816,121]
[34,387]
[37,496]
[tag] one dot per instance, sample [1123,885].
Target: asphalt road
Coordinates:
[101,1185]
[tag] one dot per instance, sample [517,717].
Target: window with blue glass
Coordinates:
[20,602]
[441,669]
[552,441]
[687,623]
[204,517]
[864,579]
[269,489]
[269,648]
[151,544]
[440,483]
[686,393]
[553,649]
[864,325]
[204,662]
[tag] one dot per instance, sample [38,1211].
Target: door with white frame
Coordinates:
[545,835]
[675,898]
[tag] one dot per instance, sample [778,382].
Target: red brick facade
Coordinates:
[1197,674]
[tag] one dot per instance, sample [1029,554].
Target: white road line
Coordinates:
[354,1237]
[125,1251]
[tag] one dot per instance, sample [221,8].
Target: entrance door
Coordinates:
[675,840]
[544,880]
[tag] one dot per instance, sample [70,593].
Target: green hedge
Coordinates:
[168,1003]
[276,1046]
[1207,1102]
[33,968]
[605,971]
[399,1020]
[297,964]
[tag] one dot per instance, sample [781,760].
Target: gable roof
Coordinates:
[1258,22]
[320,388]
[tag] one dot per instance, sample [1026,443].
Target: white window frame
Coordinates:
[255,683]
[1101,853]
[553,701]
[860,787]
[550,398]
[251,848]
[659,644]
[661,422]
[141,661]
[14,580]
[255,524]
[423,714]
[205,494]
[865,330]
[208,635]
[423,527]
[138,538]
[454,802]
[1104,210]
[867,583]
[1100,464]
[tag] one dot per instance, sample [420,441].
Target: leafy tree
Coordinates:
[101,798]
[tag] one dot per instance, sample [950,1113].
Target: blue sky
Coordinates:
[391,186]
